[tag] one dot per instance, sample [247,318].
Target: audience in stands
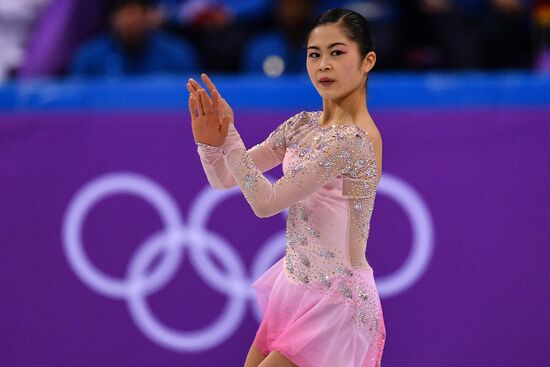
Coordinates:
[133,46]
[281,49]
[507,34]
[218,28]
[542,17]
[467,34]
[266,36]
[214,13]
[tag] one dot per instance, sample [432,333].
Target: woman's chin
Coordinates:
[328,94]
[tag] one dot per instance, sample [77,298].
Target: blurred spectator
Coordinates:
[465,34]
[218,28]
[507,34]
[132,46]
[441,33]
[61,30]
[385,19]
[214,13]
[282,49]
[409,34]
[17,21]
[542,17]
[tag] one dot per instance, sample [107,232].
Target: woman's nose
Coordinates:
[324,65]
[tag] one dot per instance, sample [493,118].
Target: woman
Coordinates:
[319,302]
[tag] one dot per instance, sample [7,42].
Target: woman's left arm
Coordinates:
[344,150]
[215,167]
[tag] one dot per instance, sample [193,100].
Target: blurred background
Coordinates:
[114,251]
[71,38]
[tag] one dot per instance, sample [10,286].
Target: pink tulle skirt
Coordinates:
[315,329]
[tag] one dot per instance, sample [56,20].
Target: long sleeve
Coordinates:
[266,155]
[341,150]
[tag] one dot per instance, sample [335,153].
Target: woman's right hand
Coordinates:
[209,121]
[225,110]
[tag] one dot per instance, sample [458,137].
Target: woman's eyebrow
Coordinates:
[330,46]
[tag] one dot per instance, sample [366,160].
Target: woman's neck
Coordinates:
[346,111]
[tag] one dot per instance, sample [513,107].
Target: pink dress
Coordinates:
[319,302]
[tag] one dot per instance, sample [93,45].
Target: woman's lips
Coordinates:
[326,82]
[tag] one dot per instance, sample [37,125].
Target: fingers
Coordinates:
[192,107]
[208,83]
[190,88]
[193,93]
[211,87]
[215,99]
[205,102]
[200,103]
[206,80]
[195,85]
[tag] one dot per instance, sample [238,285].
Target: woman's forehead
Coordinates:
[326,35]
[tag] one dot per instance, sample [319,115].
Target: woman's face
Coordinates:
[334,63]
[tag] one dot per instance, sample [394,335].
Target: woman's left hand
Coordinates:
[210,118]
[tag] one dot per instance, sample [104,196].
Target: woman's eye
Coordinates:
[333,53]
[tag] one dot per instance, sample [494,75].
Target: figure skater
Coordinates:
[319,302]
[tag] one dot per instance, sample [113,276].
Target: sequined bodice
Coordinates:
[327,231]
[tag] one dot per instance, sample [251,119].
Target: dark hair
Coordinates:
[356,27]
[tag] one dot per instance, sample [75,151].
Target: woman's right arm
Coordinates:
[266,155]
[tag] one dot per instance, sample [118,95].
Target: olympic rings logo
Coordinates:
[176,236]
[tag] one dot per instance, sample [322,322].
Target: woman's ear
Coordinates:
[369,61]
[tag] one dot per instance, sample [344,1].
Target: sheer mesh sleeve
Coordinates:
[266,155]
[338,151]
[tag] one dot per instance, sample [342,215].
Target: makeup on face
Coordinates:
[333,62]
[334,50]
[326,81]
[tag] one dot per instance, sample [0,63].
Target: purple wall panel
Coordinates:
[459,240]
